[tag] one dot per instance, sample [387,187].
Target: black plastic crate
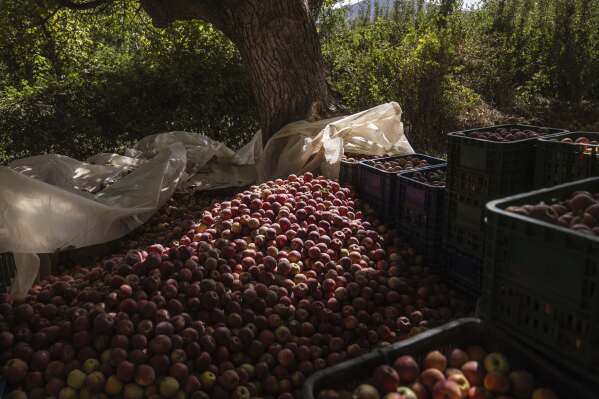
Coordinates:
[559,163]
[481,170]
[542,281]
[464,272]
[466,223]
[419,215]
[349,172]
[459,333]
[377,186]
[7,271]
[472,153]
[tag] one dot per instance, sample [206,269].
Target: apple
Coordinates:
[497,383]
[113,386]
[407,368]
[474,372]
[451,371]
[496,362]
[76,379]
[406,393]
[523,384]
[386,378]
[461,382]
[366,391]
[479,393]
[420,390]
[430,377]
[457,358]
[544,393]
[447,390]
[435,360]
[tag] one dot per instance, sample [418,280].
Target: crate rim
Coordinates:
[385,352]
[357,162]
[308,386]
[458,136]
[416,154]
[382,351]
[420,170]
[550,139]
[494,207]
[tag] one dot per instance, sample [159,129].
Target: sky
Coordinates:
[467,3]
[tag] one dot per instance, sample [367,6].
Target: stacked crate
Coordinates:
[419,217]
[377,186]
[541,279]
[481,167]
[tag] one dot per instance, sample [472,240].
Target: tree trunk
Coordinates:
[279,44]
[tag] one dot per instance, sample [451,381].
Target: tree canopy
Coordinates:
[78,82]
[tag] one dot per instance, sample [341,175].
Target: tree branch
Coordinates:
[45,19]
[315,6]
[88,5]
[164,12]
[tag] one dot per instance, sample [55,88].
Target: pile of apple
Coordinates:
[353,158]
[399,164]
[258,292]
[171,221]
[580,212]
[504,134]
[436,177]
[458,374]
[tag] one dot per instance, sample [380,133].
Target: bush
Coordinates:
[104,95]
[389,60]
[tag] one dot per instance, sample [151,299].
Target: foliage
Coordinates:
[408,58]
[98,81]
[82,82]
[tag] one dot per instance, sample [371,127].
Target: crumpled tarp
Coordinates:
[52,202]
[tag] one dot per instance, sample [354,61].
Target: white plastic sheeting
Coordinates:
[307,146]
[52,202]
[38,214]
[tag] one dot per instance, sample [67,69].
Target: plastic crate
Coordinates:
[459,333]
[377,186]
[465,224]
[542,281]
[349,173]
[559,163]
[419,216]
[492,156]
[464,272]
[482,170]
[7,271]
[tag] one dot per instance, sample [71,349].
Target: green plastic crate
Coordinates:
[482,170]
[559,163]
[542,281]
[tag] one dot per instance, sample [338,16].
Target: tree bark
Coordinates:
[279,44]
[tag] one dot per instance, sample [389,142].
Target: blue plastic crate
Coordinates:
[377,186]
